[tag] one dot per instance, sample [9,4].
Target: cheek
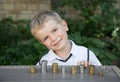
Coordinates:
[47,44]
[62,33]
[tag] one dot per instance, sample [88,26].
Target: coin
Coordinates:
[100,74]
[33,70]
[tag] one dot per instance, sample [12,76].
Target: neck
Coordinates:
[64,53]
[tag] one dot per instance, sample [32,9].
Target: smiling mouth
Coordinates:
[57,42]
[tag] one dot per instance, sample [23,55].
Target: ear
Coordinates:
[64,23]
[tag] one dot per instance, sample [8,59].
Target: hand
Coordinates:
[85,63]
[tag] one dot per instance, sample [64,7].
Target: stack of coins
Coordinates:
[55,68]
[100,74]
[44,66]
[91,69]
[63,69]
[33,70]
[73,70]
[82,68]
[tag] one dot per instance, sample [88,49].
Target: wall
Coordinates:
[26,9]
[22,9]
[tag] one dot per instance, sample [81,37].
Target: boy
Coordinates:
[51,30]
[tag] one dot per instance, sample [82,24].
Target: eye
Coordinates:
[45,38]
[54,29]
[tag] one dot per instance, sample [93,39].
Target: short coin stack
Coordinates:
[63,69]
[91,69]
[33,70]
[73,70]
[82,69]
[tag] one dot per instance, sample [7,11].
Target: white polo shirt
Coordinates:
[79,53]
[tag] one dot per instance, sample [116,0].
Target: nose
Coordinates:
[53,37]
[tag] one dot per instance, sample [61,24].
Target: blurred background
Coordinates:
[92,23]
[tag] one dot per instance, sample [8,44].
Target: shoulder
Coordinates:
[78,47]
[49,56]
[45,57]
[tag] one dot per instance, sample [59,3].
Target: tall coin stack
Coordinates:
[55,68]
[91,69]
[44,66]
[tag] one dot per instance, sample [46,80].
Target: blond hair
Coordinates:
[41,18]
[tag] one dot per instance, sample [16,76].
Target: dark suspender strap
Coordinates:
[87,54]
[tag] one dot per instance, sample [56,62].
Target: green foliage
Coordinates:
[17,45]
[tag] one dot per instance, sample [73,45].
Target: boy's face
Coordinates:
[53,35]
